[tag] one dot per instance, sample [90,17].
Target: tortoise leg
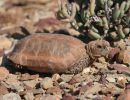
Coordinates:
[79,66]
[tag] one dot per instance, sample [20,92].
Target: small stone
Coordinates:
[120,68]
[38,91]
[5,43]
[3,90]
[26,77]
[11,96]
[12,79]
[34,91]
[100,65]
[125,95]
[38,97]
[55,77]
[13,83]
[54,90]
[86,70]
[49,24]
[111,88]
[17,87]
[72,32]
[110,79]
[102,60]
[46,83]
[50,97]
[121,81]
[90,88]
[80,78]
[68,97]
[3,73]
[66,78]
[29,96]
[120,44]
[66,86]
[31,83]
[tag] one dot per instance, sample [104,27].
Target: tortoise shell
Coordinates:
[50,53]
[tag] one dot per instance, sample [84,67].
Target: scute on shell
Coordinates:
[50,53]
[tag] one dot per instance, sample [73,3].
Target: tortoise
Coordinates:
[56,53]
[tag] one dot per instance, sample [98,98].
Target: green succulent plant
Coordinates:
[98,18]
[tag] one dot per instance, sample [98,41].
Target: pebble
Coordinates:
[54,90]
[3,90]
[121,81]
[86,70]
[29,96]
[31,83]
[125,95]
[66,77]
[100,65]
[3,73]
[50,97]
[111,79]
[46,83]
[102,60]
[16,87]
[55,77]
[5,43]
[111,88]
[68,97]
[11,96]
[12,81]
[120,44]
[26,77]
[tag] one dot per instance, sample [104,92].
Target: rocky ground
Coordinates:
[103,80]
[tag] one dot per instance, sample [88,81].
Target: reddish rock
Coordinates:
[3,73]
[49,24]
[26,77]
[3,90]
[50,97]
[54,90]
[125,95]
[68,97]
[120,68]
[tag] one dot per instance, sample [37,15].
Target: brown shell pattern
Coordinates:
[50,53]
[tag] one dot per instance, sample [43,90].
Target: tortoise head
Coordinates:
[97,48]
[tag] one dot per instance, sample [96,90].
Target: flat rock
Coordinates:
[26,77]
[46,83]
[5,43]
[29,96]
[31,83]
[125,95]
[68,97]
[11,96]
[3,90]
[50,97]
[3,73]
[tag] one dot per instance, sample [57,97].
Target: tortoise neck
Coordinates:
[89,52]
